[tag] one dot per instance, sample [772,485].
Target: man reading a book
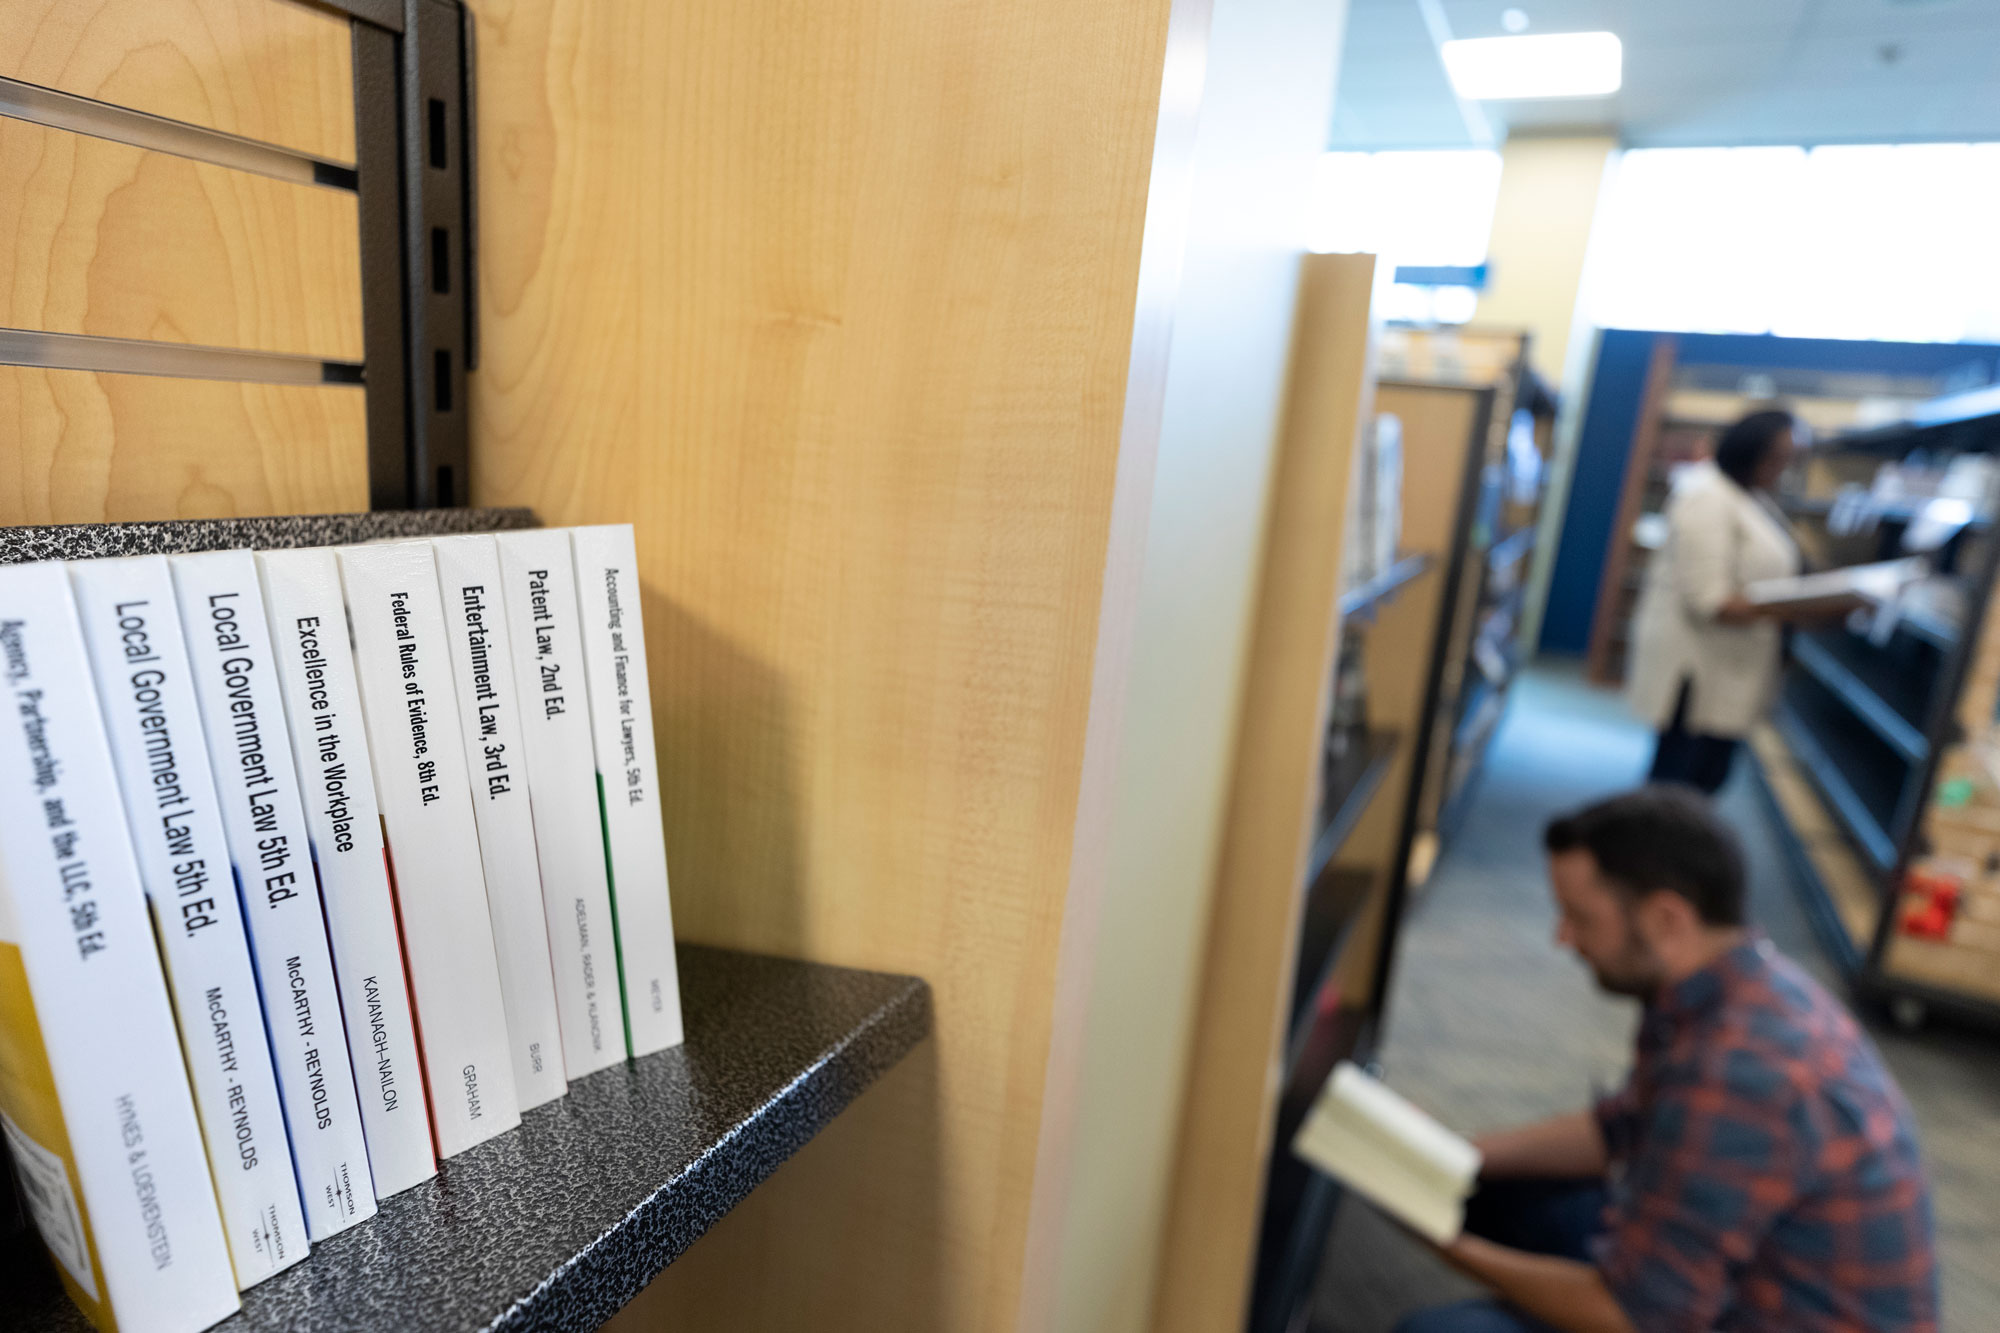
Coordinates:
[1759,1172]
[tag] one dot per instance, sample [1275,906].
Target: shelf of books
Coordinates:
[1684,409]
[1511,442]
[1390,701]
[338,986]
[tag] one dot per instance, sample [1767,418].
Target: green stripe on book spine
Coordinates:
[617,937]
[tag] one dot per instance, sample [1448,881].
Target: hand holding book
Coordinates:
[1391,1153]
[1832,592]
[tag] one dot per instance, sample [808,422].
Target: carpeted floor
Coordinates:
[1490,1023]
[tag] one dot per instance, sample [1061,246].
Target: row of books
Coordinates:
[316,866]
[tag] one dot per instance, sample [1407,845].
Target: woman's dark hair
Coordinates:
[1660,837]
[1745,445]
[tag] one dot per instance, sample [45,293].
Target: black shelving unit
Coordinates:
[1840,780]
[1504,540]
[1867,721]
[1866,702]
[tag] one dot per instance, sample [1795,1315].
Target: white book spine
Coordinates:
[403,658]
[308,618]
[243,716]
[489,716]
[539,593]
[139,660]
[628,781]
[74,912]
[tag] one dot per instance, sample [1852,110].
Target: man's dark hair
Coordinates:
[1660,837]
[1744,446]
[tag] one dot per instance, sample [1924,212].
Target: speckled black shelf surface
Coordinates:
[87,541]
[557,1224]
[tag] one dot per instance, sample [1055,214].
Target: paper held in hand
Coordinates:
[1880,582]
[1385,1149]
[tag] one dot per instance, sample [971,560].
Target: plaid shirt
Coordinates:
[1765,1165]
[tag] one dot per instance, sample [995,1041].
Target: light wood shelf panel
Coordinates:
[110,240]
[835,302]
[92,448]
[272,70]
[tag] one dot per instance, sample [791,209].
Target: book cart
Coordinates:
[1880,756]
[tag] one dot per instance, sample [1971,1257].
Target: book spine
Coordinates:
[489,717]
[243,718]
[403,660]
[139,660]
[538,590]
[97,1109]
[628,781]
[308,618]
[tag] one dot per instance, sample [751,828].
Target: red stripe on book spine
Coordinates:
[410,989]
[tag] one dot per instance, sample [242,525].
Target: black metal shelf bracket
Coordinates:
[413,150]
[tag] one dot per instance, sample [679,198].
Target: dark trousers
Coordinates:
[1691,758]
[1557,1217]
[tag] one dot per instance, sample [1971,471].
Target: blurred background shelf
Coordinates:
[1854,787]
[1365,598]
[1873,757]
[1888,721]
[1356,763]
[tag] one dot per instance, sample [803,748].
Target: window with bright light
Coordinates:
[1892,241]
[1411,208]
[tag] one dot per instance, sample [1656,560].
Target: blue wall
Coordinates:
[1763,352]
[1611,417]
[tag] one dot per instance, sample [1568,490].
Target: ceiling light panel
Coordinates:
[1559,64]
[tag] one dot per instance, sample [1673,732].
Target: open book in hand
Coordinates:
[1385,1149]
[1878,582]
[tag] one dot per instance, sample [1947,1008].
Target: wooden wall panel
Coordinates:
[835,300]
[88,448]
[1233,1074]
[264,69]
[107,239]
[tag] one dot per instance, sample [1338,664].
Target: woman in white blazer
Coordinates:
[1705,663]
